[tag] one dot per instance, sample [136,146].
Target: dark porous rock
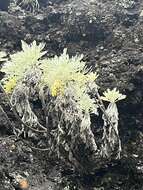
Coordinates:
[18,161]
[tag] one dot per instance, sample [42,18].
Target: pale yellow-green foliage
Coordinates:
[62,73]
[61,68]
[23,61]
[58,73]
[57,88]
[10,84]
[82,97]
[112,95]
[66,69]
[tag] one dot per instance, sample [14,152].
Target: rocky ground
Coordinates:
[110,35]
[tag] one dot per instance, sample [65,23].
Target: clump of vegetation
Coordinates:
[69,94]
[62,74]
[21,63]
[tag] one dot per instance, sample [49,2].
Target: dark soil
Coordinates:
[110,35]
